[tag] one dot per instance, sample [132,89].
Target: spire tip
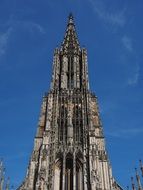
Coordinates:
[71,20]
[71,15]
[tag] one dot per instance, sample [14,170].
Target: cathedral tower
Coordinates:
[69,148]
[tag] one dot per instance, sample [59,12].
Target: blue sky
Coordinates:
[112,33]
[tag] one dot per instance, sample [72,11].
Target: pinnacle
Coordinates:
[71,20]
[70,42]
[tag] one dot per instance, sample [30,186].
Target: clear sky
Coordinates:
[112,32]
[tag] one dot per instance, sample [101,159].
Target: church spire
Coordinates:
[138,180]
[133,184]
[141,167]
[70,70]
[1,175]
[70,43]
[69,149]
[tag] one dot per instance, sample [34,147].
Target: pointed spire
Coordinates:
[70,43]
[138,180]
[141,167]
[1,166]
[133,184]
[1,175]
[7,184]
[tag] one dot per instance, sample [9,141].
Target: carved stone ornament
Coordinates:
[44,154]
[35,156]
[95,176]
[42,174]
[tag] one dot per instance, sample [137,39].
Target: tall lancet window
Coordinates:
[70,73]
[77,122]
[61,126]
[62,119]
[80,70]
[69,173]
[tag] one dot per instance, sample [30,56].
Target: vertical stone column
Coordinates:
[84,143]
[49,112]
[74,172]
[85,69]
[77,72]
[57,179]
[56,69]
[107,175]
[85,173]
[104,174]
[64,171]
[64,69]
[80,179]
[110,177]
[69,182]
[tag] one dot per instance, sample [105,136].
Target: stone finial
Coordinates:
[133,184]
[138,180]
[7,187]
[71,20]
[141,167]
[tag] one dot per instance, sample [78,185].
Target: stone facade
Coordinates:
[69,148]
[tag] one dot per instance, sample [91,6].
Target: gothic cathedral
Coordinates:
[69,147]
